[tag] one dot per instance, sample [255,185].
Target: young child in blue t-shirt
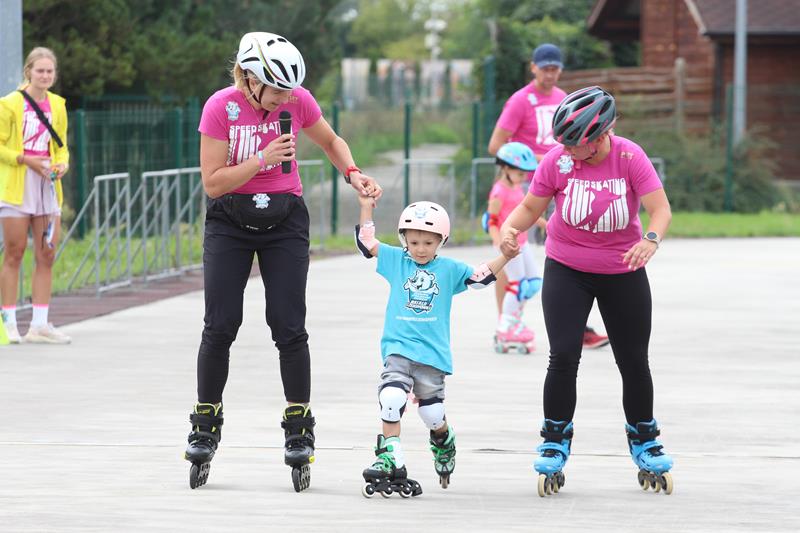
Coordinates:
[415,345]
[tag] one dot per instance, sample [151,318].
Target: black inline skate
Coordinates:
[298,428]
[203,441]
[384,476]
[444,455]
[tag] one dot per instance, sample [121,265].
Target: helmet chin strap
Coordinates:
[252,94]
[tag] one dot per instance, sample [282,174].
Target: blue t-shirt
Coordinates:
[417,324]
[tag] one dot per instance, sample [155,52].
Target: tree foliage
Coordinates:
[183,50]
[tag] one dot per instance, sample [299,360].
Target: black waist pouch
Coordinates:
[258,212]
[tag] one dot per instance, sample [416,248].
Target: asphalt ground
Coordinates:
[94,432]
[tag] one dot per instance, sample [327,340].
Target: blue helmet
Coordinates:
[517,155]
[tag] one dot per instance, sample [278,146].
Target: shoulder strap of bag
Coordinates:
[42,118]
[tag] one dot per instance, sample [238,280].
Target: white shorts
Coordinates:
[38,199]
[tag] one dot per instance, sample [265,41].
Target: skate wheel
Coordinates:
[542,485]
[198,475]
[643,482]
[666,482]
[554,485]
[386,493]
[524,350]
[405,493]
[444,481]
[368,491]
[561,480]
[301,477]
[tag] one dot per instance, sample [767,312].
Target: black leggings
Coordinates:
[283,260]
[625,305]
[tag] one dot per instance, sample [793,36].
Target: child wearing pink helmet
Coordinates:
[415,345]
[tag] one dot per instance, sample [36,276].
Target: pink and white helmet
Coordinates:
[424,216]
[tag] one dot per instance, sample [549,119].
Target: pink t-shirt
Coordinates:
[596,219]
[228,116]
[528,115]
[511,197]
[35,135]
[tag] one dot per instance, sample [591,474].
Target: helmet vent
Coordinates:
[270,42]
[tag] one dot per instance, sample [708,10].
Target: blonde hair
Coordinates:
[239,80]
[40,52]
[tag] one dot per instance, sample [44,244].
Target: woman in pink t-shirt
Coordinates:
[596,250]
[255,207]
[515,161]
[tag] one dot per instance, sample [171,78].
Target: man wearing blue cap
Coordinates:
[527,117]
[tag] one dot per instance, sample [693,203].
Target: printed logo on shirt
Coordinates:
[233,110]
[244,141]
[422,288]
[532,99]
[565,164]
[262,200]
[544,124]
[35,137]
[596,206]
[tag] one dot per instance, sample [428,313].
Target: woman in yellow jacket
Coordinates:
[32,163]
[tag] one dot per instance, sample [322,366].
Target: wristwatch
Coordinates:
[652,236]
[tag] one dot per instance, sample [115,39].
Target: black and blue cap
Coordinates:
[547,55]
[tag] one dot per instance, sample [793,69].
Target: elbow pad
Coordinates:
[482,277]
[365,239]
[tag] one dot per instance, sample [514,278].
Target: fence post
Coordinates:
[177,138]
[728,198]
[406,152]
[680,94]
[80,166]
[476,117]
[335,178]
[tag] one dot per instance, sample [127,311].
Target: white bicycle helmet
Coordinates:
[424,216]
[272,59]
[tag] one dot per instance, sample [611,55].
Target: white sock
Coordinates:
[505,322]
[10,315]
[393,443]
[39,315]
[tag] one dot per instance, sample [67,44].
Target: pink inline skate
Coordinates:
[518,337]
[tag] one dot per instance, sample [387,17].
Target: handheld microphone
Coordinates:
[285,119]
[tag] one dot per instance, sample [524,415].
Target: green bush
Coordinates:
[696,169]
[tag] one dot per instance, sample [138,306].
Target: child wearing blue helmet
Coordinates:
[515,161]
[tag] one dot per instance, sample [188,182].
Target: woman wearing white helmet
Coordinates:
[256,207]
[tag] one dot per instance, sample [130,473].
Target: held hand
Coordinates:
[279,150]
[38,164]
[366,201]
[639,254]
[509,245]
[365,185]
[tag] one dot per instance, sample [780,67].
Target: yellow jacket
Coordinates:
[12,174]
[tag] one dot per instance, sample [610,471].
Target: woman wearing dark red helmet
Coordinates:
[596,250]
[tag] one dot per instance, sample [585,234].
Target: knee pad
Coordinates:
[513,288]
[432,413]
[528,288]
[393,403]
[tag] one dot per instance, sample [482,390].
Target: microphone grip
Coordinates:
[285,120]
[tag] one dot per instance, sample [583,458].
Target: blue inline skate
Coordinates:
[554,453]
[648,454]
[203,441]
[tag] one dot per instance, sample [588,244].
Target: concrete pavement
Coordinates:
[93,433]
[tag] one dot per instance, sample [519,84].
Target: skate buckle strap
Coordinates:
[548,449]
[205,420]
[644,436]
[203,435]
[297,424]
[556,436]
[653,447]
